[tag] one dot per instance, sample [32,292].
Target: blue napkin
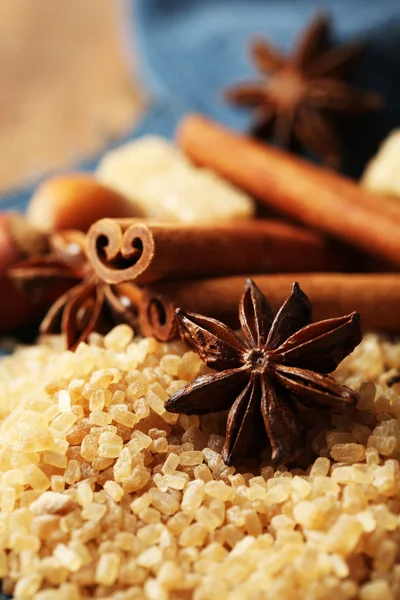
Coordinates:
[191,50]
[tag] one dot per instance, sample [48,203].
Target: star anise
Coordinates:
[276,361]
[86,303]
[303,90]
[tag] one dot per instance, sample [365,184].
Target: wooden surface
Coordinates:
[67,83]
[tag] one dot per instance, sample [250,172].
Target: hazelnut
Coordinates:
[75,201]
[16,308]
[18,240]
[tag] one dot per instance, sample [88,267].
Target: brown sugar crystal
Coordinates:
[174,522]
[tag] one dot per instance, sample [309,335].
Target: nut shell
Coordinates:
[15,307]
[18,240]
[75,201]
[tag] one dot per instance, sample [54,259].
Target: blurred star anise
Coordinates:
[276,361]
[301,92]
[86,303]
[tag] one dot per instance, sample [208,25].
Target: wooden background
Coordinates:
[67,83]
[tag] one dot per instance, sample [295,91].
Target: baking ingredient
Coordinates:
[162,184]
[313,195]
[301,89]
[382,173]
[259,374]
[18,239]
[146,251]
[166,518]
[79,302]
[375,296]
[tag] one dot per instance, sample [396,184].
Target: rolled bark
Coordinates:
[375,296]
[308,193]
[144,251]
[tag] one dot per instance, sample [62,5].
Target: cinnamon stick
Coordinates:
[308,193]
[375,296]
[145,251]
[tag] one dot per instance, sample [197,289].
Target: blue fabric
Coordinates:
[191,49]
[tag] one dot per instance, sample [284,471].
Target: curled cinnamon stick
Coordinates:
[375,296]
[157,309]
[308,193]
[145,251]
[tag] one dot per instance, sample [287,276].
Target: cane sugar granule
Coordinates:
[104,494]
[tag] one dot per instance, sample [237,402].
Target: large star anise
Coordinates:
[86,303]
[275,361]
[302,91]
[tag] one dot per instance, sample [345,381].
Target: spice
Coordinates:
[313,195]
[89,305]
[147,251]
[333,294]
[64,262]
[276,360]
[302,88]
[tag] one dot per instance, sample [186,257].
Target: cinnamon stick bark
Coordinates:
[375,296]
[145,251]
[308,193]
